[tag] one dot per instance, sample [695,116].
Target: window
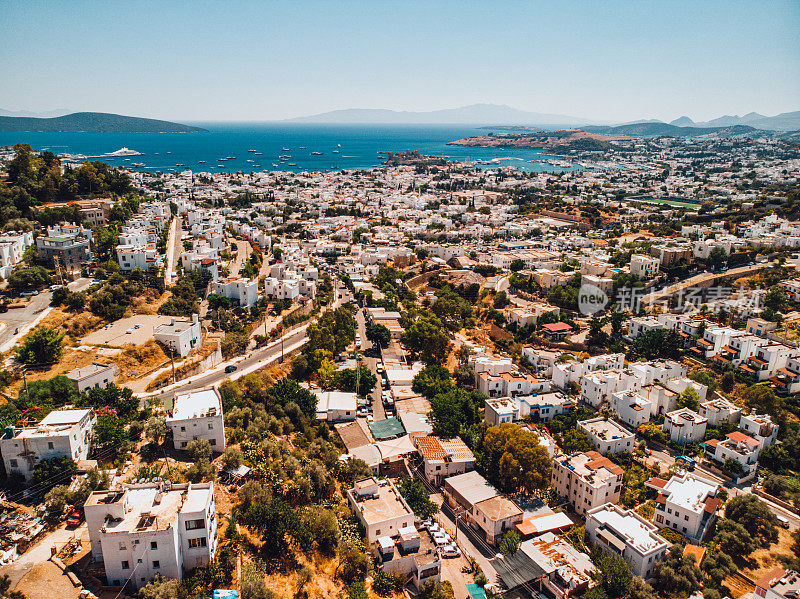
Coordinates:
[211,425]
[199,542]
[13,463]
[212,442]
[123,547]
[125,565]
[153,545]
[378,531]
[183,443]
[50,445]
[156,564]
[196,524]
[183,429]
[136,541]
[686,518]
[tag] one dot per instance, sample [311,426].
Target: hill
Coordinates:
[563,140]
[669,130]
[94,122]
[476,114]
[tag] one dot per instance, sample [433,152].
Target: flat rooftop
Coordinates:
[77,374]
[689,491]
[471,486]
[636,531]
[607,430]
[591,466]
[196,404]
[388,505]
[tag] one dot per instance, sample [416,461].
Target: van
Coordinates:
[782,521]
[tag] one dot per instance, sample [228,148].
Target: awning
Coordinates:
[516,569]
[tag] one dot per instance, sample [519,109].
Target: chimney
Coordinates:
[195,318]
[172,322]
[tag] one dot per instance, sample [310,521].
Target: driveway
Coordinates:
[41,551]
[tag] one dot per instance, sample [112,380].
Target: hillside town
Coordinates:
[429,379]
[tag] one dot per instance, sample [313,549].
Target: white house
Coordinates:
[181,335]
[98,376]
[633,409]
[608,436]
[444,457]
[62,433]
[687,504]
[625,533]
[586,480]
[720,410]
[336,406]
[197,415]
[380,508]
[643,266]
[243,291]
[149,529]
[685,426]
[760,427]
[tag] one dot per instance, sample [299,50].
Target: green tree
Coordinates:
[510,543]
[613,574]
[427,339]
[53,471]
[734,539]
[40,347]
[514,459]
[378,333]
[432,380]
[31,277]
[718,566]
[639,589]
[418,497]
[689,399]
[453,410]
[777,299]
[109,432]
[677,574]
[574,440]
[755,515]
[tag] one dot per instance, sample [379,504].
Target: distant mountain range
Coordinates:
[786,121]
[657,129]
[43,115]
[502,115]
[94,122]
[476,114]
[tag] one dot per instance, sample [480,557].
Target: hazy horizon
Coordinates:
[243,62]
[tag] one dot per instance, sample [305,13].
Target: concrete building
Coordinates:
[243,291]
[70,246]
[411,554]
[633,409]
[62,433]
[97,376]
[150,529]
[586,480]
[607,436]
[336,406]
[720,410]
[778,584]
[442,458]
[760,427]
[643,266]
[197,415]
[12,247]
[181,335]
[685,426]
[625,533]
[687,504]
[380,508]
[738,447]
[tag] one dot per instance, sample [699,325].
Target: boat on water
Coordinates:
[248,160]
[336,151]
[302,147]
[251,150]
[292,164]
[138,164]
[201,162]
[273,164]
[316,153]
[285,150]
[169,152]
[221,165]
[180,164]
[231,158]
[258,153]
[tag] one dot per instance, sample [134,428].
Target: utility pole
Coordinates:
[25,381]
[281,349]
[172,361]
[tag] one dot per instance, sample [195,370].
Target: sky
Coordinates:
[260,60]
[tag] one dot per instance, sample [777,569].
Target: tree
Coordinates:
[436,590]
[378,333]
[232,458]
[613,574]
[109,432]
[575,439]
[677,574]
[510,543]
[515,460]
[764,400]
[734,539]
[53,471]
[40,347]
[464,375]
[385,584]
[252,584]
[517,265]
[56,500]
[756,517]
[199,449]
[777,299]
[156,429]
[689,399]
[418,497]
[453,410]
[717,258]
[287,391]
[727,382]
[31,277]
[163,588]
[427,339]
[733,468]
[718,566]
[639,589]
[660,343]
[432,380]
[234,344]
[322,527]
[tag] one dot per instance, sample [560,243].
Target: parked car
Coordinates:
[782,521]
[230,368]
[54,287]
[76,518]
[29,293]
[451,550]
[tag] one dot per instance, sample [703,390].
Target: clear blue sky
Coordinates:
[272,60]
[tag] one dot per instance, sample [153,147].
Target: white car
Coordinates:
[451,550]
[434,528]
[441,539]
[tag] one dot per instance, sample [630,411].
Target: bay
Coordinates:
[339,147]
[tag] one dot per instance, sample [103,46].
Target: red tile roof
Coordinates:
[740,437]
[765,581]
[557,327]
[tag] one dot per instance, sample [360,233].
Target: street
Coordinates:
[174,249]
[41,551]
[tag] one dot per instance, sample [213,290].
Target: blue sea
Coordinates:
[340,147]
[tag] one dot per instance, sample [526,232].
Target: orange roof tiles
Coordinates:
[434,448]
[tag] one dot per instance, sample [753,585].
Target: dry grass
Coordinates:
[140,359]
[149,302]
[323,584]
[75,324]
[765,560]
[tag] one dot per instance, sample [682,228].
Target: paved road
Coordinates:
[174,249]
[257,358]
[16,318]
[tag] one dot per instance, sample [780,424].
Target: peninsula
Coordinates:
[562,139]
[94,122]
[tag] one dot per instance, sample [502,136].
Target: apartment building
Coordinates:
[687,504]
[597,387]
[607,436]
[632,408]
[380,508]
[542,407]
[713,340]
[760,427]
[97,376]
[243,291]
[150,529]
[738,447]
[644,266]
[442,458]
[197,415]
[768,359]
[685,426]
[69,245]
[62,433]
[586,480]
[181,335]
[625,533]
[718,411]
[510,384]
[787,380]
[739,349]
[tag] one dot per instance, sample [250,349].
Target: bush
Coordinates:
[40,347]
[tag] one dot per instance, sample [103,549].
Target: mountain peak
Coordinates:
[683,121]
